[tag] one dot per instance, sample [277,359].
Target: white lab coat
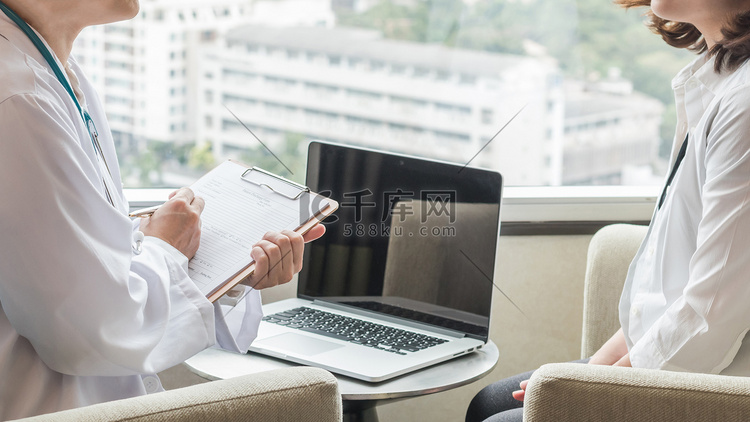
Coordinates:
[686,301]
[83,319]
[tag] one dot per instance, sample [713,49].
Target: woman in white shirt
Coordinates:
[684,305]
[90,313]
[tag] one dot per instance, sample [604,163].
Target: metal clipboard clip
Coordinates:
[277,184]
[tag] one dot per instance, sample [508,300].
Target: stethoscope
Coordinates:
[87,120]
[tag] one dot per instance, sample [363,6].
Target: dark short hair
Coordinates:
[731,52]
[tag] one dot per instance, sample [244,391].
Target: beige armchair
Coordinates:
[294,394]
[575,392]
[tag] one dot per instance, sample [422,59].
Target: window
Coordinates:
[442,83]
[467,79]
[206,36]
[487,118]
[360,95]
[354,62]
[377,65]
[117,48]
[421,72]
[443,75]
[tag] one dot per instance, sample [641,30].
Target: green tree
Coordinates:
[288,161]
[201,157]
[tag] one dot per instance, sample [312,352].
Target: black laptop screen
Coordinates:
[413,238]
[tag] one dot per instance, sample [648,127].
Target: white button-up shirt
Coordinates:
[83,317]
[686,301]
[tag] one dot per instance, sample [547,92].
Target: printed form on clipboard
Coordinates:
[242,205]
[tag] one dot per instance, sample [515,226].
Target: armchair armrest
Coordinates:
[293,394]
[609,255]
[579,392]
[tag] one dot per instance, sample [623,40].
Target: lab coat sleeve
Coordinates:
[703,330]
[236,325]
[69,282]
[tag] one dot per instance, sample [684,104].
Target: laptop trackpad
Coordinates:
[300,344]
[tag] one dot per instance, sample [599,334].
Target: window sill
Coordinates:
[574,209]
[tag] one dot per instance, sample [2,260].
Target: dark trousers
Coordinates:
[495,403]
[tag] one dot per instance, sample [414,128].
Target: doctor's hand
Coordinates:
[278,257]
[178,222]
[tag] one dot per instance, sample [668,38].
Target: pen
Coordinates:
[145,212]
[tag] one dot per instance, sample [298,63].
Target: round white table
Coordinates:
[359,397]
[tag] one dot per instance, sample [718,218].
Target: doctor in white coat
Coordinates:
[87,313]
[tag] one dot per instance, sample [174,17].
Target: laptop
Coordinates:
[403,277]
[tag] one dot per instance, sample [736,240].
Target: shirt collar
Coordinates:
[688,71]
[708,77]
[702,71]
[15,35]
[695,87]
[18,38]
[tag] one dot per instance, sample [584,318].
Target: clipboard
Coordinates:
[242,204]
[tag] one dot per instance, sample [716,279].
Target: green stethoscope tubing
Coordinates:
[87,120]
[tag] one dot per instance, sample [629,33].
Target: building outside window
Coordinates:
[436,79]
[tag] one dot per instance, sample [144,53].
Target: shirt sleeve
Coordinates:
[703,330]
[70,282]
[237,325]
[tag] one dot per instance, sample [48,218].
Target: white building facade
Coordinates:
[352,86]
[611,135]
[191,72]
[146,66]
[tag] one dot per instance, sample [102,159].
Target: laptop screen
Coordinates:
[413,238]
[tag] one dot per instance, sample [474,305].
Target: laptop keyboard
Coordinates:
[413,315]
[354,330]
